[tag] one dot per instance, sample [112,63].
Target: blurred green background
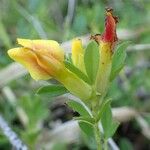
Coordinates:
[63,20]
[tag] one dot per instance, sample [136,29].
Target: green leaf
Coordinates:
[76,71]
[86,127]
[125,144]
[52,90]
[91,60]
[109,125]
[118,59]
[87,119]
[113,128]
[106,120]
[28,104]
[102,108]
[79,107]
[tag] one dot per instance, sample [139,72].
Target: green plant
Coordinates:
[86,74]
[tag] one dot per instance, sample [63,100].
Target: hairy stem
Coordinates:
[97,136]
[105,145]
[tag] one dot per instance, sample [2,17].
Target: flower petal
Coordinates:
[74,84]
[28,59]
[78,54]
[77,50]
[51,65]
[45,47]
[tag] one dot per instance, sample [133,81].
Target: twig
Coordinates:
[144,126]
[68,132]
[139,47]
[112,144]
[11,135]
[127,34]
[123,114]
[10,73]
[71,11]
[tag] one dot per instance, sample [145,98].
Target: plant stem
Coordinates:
[98,136]
[105,145]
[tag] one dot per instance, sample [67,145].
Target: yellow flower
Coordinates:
[45,59]
[28,56]
[78,54]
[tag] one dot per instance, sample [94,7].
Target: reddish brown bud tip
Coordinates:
[109,34]
[109,9]
[96,37]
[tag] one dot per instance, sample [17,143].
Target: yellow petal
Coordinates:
[77,51]
[51,65]
[74,84]
[48,48]
[28,59]
[105,65]
[80,63]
